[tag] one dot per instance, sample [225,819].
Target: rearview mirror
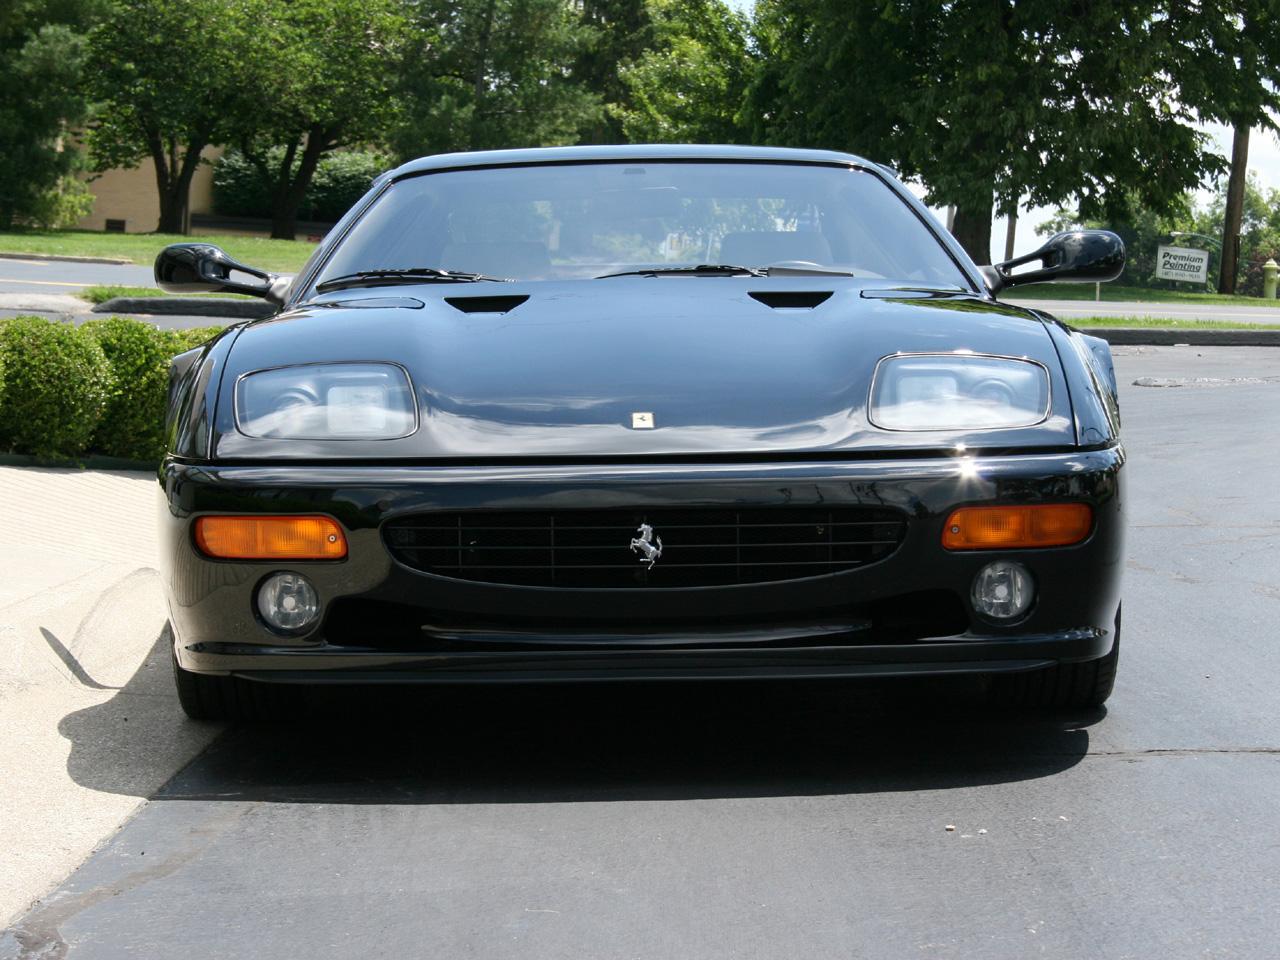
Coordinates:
[1077,256]
[204,268]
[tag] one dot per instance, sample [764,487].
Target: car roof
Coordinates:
[649,151]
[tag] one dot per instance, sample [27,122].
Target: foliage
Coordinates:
[988,105]
[99,388]
[485,74]
[62,205]
[103,293]
[1165,323]
[341,178]
[688,87]
[169,78]
[42,53]
[1227,60]
[57,383]
[323,75]
[133,421]
[616,34]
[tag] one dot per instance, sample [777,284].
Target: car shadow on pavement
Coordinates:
[601,742]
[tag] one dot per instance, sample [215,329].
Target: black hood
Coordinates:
[560,369]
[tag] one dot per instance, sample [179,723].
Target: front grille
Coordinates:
[593,548]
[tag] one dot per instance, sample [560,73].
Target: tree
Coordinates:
[167,75]
[484,74]
[985,101]
[41,58]
[322,76]
[1226,64]
[618,32]
[688,87]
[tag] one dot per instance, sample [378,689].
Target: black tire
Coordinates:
[1063,686]
[223,698]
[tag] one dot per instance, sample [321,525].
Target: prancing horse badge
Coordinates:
[642,421]
[647,545]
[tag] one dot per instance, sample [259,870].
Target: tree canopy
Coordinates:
[990,104]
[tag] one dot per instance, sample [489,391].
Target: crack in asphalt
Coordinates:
[1181,752]
[39,933]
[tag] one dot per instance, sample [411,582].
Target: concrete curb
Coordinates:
[57,258]
[188,307]
[1149,337]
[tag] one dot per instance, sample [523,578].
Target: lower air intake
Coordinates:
[611,548]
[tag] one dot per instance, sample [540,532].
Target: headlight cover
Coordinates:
[958,391]
[327,401]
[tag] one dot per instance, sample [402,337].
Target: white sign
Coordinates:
[1182,263]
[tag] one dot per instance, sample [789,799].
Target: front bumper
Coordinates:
[385,622]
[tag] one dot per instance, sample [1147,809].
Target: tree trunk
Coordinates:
[973,230]
[1011,233]
[1235,209]
[292,187]
[173,181]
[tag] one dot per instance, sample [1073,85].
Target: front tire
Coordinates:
[222,698]
[1064,685]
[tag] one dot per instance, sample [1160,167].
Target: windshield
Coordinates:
[578,220]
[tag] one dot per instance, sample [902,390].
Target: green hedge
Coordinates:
[100,388]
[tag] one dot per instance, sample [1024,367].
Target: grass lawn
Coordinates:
[1164,323]
[96,295]
[1114,293]
[285,256]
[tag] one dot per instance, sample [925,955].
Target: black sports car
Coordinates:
[642,412]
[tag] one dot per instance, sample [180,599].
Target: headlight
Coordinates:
[958,391]
[327,401]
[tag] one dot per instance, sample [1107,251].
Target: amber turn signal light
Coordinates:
[271,538]
[1004,528]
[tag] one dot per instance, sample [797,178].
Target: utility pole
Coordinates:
[1235,209]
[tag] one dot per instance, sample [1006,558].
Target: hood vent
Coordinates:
[791,299]
[485,304]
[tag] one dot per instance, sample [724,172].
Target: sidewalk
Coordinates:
[91,724]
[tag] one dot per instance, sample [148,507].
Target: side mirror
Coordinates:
[1077,256]
[204,268]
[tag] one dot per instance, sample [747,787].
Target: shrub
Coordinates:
[63,205]
[133,424]
[180,341]
[57,381]
[341,178]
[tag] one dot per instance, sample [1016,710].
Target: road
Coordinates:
[1067,309]
[60,277]
[716,821]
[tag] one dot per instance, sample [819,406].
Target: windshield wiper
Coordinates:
[387,278]
[702,269]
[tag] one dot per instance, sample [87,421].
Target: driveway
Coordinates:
[693,820]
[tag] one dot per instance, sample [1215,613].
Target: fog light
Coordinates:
[1003,590]
[288,602]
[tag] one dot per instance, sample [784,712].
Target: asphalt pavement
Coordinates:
[61,277]
[694,820]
